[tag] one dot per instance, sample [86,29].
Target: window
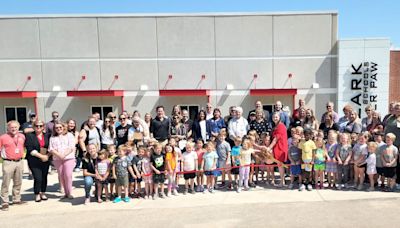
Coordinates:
[269,108]
[16,113]
[193,110]
[102,109]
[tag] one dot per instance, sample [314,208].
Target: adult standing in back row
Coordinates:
[160,125]
[12,147]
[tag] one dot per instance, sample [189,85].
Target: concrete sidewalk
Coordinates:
[272,199]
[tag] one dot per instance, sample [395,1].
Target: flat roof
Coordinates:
[200,14]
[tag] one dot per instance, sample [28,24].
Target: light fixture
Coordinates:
[315,85]
[229,87]
[56,88]
[144,87]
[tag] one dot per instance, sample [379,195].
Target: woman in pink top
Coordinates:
[62,147]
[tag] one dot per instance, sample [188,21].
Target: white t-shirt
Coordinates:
[189,161]
[371,164]
[203,130]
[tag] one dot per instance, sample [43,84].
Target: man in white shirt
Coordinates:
[209,111]
[238,126]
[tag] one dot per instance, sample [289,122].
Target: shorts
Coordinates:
[307,167]
[209,173]
[131,179]
[235,171]
[111,180]
[379,171]
[389,172]
[295,170]
[159,178]
[331,167]
[122,181]
[362,166]
[222,164]
[319,167]
[188,176]
[147,179]
[105,182]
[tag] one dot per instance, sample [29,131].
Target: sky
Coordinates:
[357,18]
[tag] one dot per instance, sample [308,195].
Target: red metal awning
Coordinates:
[185,92]
[18,94]
[95,93]
[273,92]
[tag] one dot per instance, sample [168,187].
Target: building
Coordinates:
[77,64]
[394,88]
[363,74]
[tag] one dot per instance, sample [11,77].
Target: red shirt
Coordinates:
[281,147]
[12,148]
[41,141]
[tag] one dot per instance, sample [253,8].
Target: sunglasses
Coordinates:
[59,127]
[122,118]
[107,121]
[55,116]
[38,125]
[114,117]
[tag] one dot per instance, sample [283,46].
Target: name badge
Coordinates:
[17,151]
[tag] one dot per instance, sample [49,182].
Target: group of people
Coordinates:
[118,153]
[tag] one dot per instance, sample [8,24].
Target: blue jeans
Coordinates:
[88,185]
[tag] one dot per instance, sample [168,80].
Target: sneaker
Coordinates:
[198,188]
[192,192]
[317,186]
[238,189]
[117,200]
[211,190]
[360,187]
[169,193]
[153,197]
[370,189]
[247,188]
[202,188]
[185,192]
[175,192]
[77,170]
[162,195]
[302,187]
[397,186]
[339,187]
[127,199]
[4,207]
[19,202]
[252,185]
[321,186]
[346,185]
[309,187]
[290,186]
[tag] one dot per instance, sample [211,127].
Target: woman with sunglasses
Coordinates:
[62,148]
[36,144]
[368,119]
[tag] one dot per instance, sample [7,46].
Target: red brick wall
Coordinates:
[394,76]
